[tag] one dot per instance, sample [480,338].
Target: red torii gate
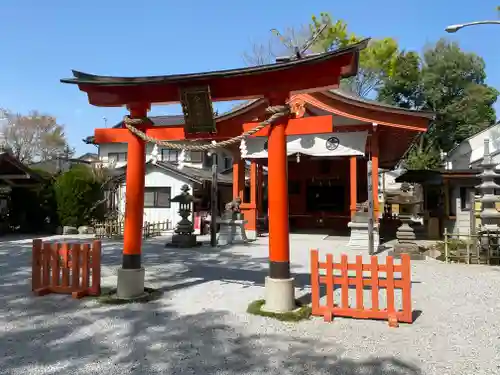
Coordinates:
[275,82]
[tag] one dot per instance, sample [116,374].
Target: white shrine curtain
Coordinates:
[328,144]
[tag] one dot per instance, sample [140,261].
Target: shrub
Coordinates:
[79,196]
[453,245]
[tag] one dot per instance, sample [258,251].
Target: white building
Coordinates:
[450,194]
[462,167]
[469,153]
[164,178]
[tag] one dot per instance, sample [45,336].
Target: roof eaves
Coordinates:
[357,100]
[472,136]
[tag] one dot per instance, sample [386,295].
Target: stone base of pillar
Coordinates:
[358,240]
[280,295]
[130,283]
[231,232]
[251,234]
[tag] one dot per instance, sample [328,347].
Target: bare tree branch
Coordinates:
[33,137]
[280,44]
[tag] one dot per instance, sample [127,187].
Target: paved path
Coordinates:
[200,325]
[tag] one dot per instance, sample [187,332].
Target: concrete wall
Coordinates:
[156,177]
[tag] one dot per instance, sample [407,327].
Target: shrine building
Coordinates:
[314,142]
[327,173]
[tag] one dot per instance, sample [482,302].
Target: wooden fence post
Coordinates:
[359,283]
[315,291]
[95,289]
[375,283]
[330,289]
[446,245]
[406,289]
[36,263]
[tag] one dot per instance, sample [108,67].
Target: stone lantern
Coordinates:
[184,230]
[405,234]
[489,215]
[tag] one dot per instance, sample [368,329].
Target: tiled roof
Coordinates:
[167,120]
[197,175]
[10,165]
[355,97]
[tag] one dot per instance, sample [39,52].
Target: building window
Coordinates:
[228,162]
[466,199]
[117,157]
[157,197]
[195,156]
[207,160]
[170,155]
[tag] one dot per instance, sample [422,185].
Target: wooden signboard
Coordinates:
[197,107]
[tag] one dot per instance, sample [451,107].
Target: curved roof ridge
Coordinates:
[94,79]
[351,96]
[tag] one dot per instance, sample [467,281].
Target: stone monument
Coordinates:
[232,224]
[358,240]
[405,235]
[184,237]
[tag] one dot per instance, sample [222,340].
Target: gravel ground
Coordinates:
[200,325]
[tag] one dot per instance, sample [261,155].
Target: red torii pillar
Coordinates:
[279,289]
[131,275]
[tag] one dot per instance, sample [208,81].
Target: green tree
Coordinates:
[376,62]
[79,196]
[449,82]
[455,88]
[404,87]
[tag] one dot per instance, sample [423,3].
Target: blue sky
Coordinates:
[43,40]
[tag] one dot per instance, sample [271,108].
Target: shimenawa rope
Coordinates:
[276,112]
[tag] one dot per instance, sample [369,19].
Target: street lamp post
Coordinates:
[455,28]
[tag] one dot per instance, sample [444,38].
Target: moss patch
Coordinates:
[109,297]
[302,312]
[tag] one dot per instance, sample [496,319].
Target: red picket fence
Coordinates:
[66,268]
[374,283]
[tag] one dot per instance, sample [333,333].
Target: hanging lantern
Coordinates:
[298,157]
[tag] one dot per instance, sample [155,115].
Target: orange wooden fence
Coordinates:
[66,268]
[374,283]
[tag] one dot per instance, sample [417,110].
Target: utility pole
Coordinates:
[213,202]
[370,207]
